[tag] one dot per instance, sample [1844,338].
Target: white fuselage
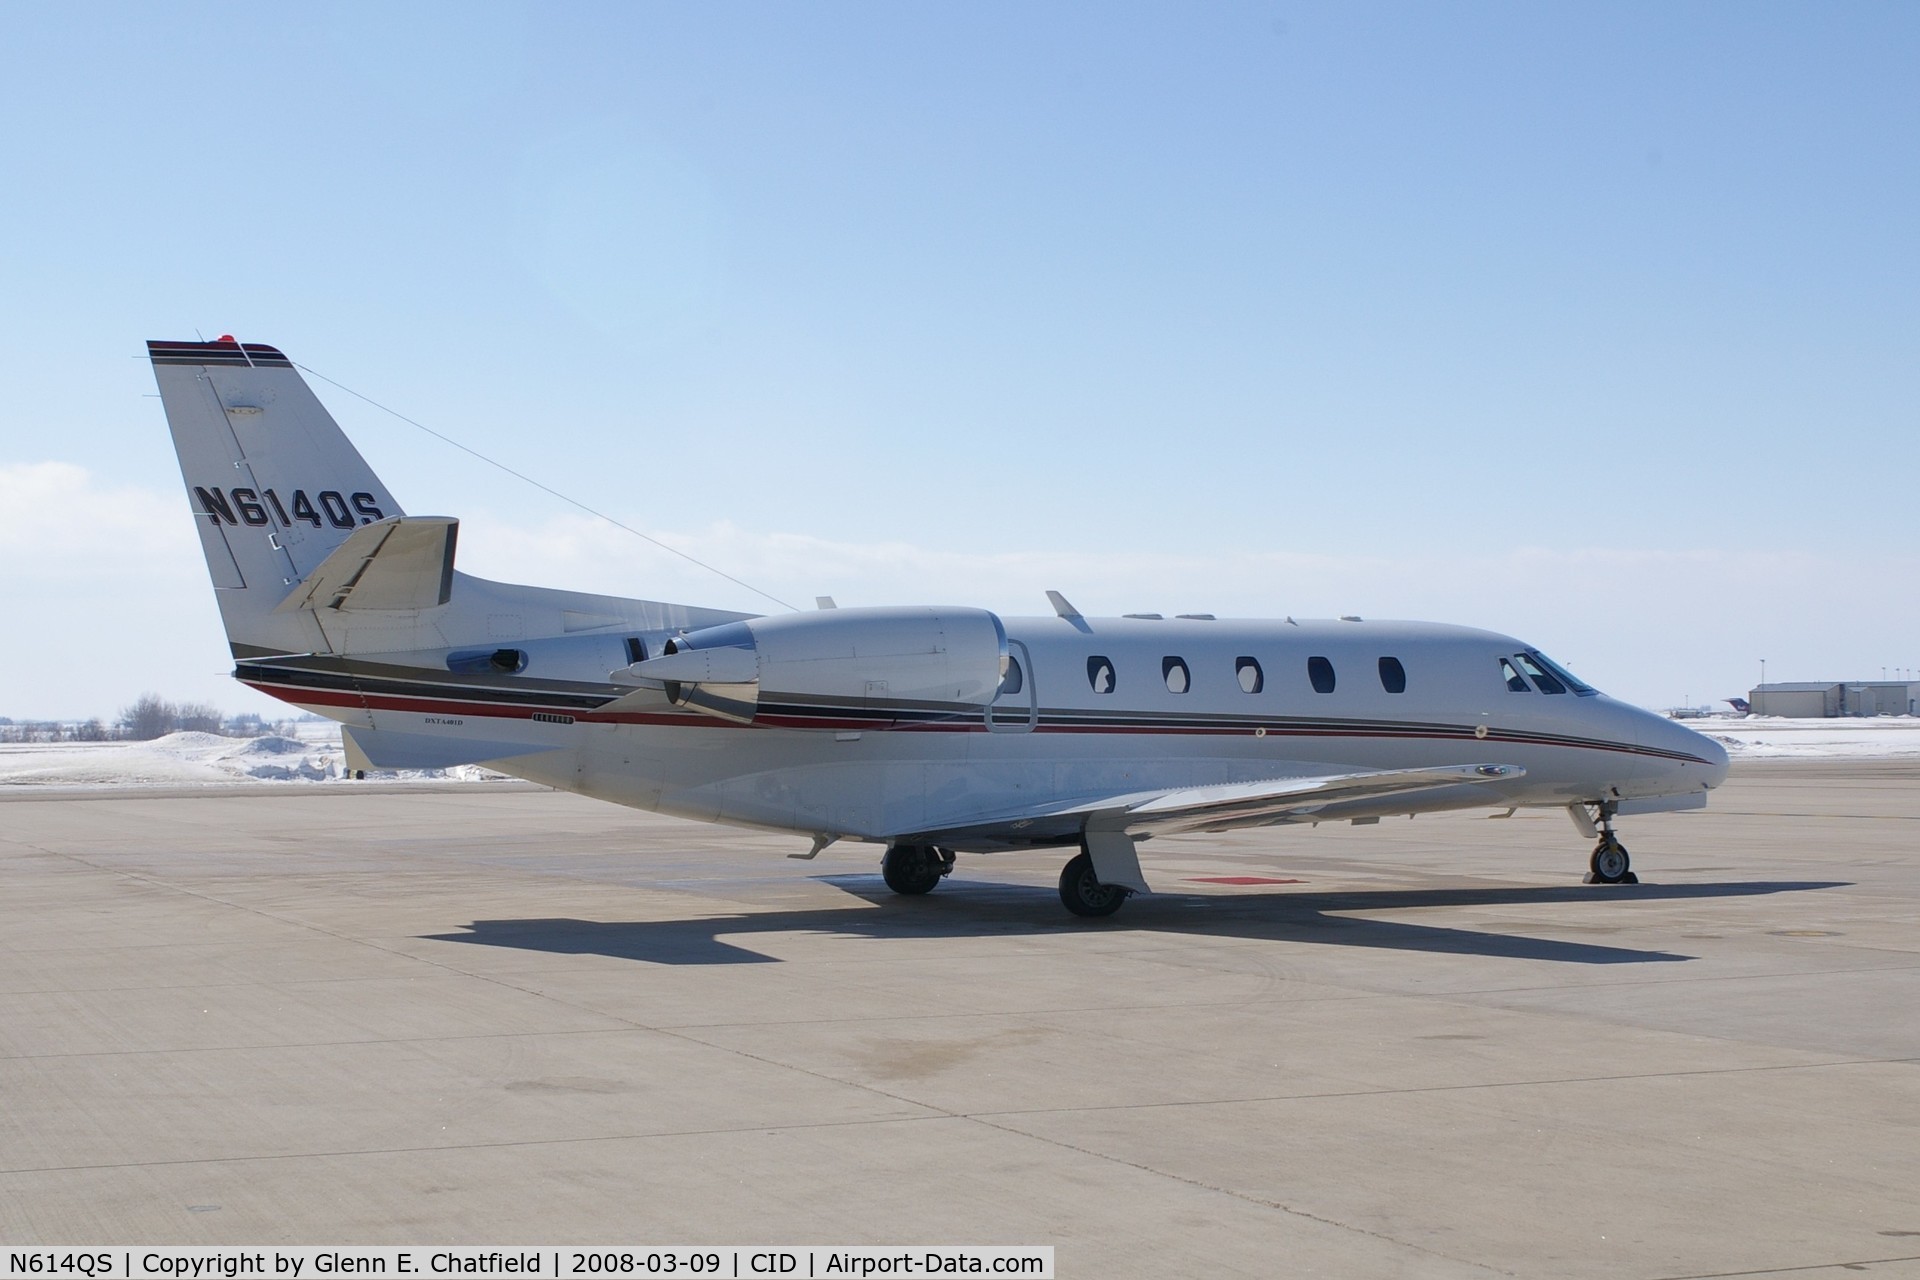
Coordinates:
[1175,707]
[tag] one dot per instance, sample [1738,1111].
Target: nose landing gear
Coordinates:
[1610,863]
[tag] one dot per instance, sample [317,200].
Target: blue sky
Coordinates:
[1595,324]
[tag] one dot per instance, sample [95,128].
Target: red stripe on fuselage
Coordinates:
[690,720]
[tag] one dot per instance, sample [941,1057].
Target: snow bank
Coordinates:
[1777,738]
[199,759]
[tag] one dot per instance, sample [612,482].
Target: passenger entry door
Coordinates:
[1016,708]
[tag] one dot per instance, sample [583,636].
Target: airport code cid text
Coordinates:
[735,1262]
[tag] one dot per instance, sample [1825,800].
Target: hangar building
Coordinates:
[1812,699]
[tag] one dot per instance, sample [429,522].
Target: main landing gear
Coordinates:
[1610,863]
[1083,894]
[918,868]
[915,868]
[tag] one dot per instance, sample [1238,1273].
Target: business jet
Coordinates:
[928,730]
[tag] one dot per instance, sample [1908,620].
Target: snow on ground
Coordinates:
[199,759]
[1777,738]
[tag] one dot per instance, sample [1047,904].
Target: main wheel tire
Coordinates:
[1610,863]
[911,868]
[1082,892]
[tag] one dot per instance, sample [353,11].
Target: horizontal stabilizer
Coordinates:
[400,563]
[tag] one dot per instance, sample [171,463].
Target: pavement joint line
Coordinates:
[770,1022]
[546,995]
[944,1113]
[517,1144]
[987,1119]
[984,1120]
[626,1029]
[337,936]
[1787,1271]
[627,1025]
[1388,1091]
[1256,1201]
[1823,817]
[1627,983]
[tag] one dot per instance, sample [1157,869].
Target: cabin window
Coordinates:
[1393,676]
[1515,681]
[1252,679]
[1320,671]
[1011,679]
[636,650]
[1100,674]
[1179,680]
[1543,680]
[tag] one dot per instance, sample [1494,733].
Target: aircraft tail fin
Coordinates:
[275,486]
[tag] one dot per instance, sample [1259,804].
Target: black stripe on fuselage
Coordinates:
[517,696]
[371,678]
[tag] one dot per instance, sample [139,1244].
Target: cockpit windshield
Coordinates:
[1554,672]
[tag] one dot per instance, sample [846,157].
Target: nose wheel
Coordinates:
[1610,864]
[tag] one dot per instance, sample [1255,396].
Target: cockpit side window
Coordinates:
[1100,674]
[1543,680]
[1516,682]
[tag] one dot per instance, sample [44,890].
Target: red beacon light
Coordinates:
[227,337]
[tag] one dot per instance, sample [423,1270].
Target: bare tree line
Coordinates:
[150,716]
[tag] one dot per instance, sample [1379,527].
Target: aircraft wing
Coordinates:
[1253,804]
[1110,824]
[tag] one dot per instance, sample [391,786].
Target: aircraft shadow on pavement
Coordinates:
[985,910]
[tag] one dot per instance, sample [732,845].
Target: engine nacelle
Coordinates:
[893,664]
